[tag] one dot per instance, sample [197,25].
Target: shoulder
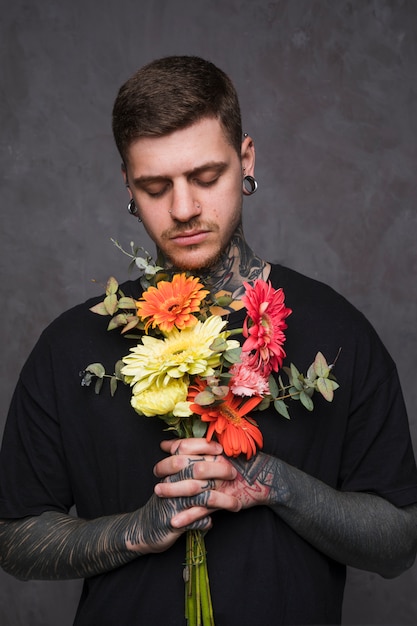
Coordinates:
[77,335]
[313,301]
[322,319]
[80,317]
[304,289]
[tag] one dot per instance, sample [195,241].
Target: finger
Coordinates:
[192,519]
[181,467]
[214,501]
[201,524]
[191,446]
[217,500]
[168,489]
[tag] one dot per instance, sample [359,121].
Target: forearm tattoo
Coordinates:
[359,529]
[153,525]
[55,546]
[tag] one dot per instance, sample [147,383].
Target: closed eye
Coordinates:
[206,183]
[156,191]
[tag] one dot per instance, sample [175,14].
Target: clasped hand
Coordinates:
[201,480]
[196,479]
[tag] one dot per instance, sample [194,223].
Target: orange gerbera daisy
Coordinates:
[226,420]
[172,303]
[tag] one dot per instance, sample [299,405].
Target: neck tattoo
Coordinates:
[237,264]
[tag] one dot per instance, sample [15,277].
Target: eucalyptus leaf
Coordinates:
[141,263]
[204,398]
[296,377]
[294,393]
[97,369]
[264,404]
[131,322]
[199,428]
[281,407]
[325,387]
[118,369]
[110,302]
[151,270]
[298,384]
[86,378]
[98,385]
[220,392]
[273,387]
[294,371]
[99,308]
[113,385]
[320,365]
[306,401]
[219,345]
[311,373]
[112,286]
[232,356]
[117,321]
[126,303]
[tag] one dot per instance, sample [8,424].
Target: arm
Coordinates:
[359,529]
[56,546]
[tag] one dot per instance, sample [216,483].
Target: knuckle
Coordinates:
[177,463]
[197,470]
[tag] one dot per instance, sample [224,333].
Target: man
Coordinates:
[335,487]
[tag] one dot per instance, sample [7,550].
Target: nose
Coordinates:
[184,206]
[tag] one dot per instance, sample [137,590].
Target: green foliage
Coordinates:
[319,378]
[282,409]
[199,427]
[96,372]
[121,308]
[232,356]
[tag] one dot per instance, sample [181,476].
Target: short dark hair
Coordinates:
[173,93]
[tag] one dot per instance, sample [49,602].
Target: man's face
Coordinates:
[187,187]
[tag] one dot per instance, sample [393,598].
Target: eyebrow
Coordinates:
[217,166]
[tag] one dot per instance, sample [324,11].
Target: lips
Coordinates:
[190,238]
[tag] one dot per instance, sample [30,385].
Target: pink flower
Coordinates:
[247,381]
[264,326]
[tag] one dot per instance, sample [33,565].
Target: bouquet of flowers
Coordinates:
[187,370]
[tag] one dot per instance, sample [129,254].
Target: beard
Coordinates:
[207,260]
[197,265]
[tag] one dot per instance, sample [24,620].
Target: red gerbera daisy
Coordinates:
[264,326]
[172,303]
[226,420]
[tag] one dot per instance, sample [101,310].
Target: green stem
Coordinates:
[190,605]
[198,606]
[206,605]
[235,331]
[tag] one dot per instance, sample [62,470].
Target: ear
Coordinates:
[124,175]
[248,155]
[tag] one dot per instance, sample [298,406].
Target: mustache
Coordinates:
[192,224]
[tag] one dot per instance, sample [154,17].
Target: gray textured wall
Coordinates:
[328,91]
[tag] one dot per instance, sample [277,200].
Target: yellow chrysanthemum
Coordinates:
[172,303]
[179,354]
[160,401]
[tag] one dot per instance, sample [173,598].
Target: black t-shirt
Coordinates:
[65,445]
